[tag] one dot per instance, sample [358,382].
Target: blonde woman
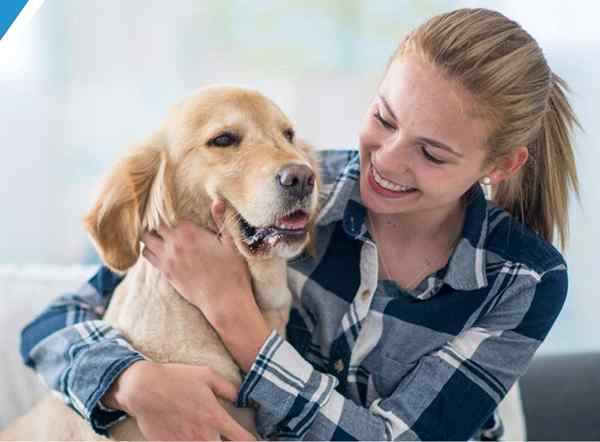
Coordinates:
[425,302]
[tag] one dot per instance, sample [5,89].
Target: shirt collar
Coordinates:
[466,267]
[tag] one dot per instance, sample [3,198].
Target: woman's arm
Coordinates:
[88,303]
[102,377]
[76,353]
[448,395]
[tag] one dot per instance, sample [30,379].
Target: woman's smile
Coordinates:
[386,188]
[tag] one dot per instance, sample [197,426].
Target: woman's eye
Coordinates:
[383,122]
[224,140]
[431,157]
[289,135]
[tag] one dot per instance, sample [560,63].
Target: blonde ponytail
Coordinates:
[539,195]
[524,103]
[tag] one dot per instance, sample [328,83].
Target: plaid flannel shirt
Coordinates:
[364,358]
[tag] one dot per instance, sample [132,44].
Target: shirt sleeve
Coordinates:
[448,395]
[76,353]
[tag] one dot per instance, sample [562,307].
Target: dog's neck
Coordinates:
[269,282]
[146,304]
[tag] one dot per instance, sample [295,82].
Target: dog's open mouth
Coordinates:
[289,227]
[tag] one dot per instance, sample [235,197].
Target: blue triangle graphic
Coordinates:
[9,10]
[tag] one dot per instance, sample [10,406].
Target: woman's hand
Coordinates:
[208,271]
[205,268]
[176,402]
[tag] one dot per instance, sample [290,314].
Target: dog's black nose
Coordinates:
[296,180]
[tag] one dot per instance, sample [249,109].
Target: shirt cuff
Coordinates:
[285,389]
[93,374]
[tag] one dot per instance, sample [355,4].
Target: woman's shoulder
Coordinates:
[513,241]
[528,273]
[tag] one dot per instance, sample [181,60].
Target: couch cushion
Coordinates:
[561,397]
[24,293]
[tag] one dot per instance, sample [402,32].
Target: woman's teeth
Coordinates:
[389,185]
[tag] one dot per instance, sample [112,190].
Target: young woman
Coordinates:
[425,302]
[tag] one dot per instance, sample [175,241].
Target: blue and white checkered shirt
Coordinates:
[364,358]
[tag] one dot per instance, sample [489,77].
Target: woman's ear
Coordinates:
[508,165]
[138,194]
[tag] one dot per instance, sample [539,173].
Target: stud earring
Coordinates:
[486,180]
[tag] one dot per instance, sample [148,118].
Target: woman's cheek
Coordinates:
[431,179]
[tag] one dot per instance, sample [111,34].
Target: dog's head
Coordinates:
[223,142]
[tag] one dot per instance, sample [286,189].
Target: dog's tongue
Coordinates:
[290,225]
[293,221]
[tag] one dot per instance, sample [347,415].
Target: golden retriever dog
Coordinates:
[226,142]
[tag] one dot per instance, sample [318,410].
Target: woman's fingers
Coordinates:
[217,210]
[153,247]
[222,387]
[229,428]
[163,230]
[151,257]
[225,424]
[153,241]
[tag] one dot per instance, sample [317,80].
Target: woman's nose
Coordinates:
[395,156]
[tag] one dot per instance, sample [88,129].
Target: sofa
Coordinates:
[561,394]
[561,397]
[24,292]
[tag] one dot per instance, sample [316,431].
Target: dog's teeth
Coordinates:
[271,240]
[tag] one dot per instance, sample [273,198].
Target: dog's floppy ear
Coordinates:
[137,194]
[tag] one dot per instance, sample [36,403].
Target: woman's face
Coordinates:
[421,148]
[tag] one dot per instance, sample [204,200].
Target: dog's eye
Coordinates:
[224,140]
[289,134]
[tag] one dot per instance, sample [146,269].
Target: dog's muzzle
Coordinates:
[296,181]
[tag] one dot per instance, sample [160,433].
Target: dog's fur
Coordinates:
[175,174]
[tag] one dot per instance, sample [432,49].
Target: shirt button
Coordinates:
[364,295]
[339,366]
